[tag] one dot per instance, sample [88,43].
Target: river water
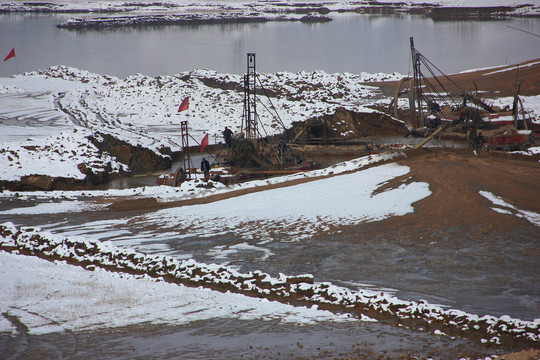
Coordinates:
[351,43]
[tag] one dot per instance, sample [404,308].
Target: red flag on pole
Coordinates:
[10,55]
[204,142]
[184,105]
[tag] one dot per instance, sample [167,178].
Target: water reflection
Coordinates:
[351,43]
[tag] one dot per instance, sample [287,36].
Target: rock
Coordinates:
[140,160]
[315,17]
[43,183]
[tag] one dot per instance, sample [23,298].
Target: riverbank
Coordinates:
[475,9]
[477,198]
[110,14]
[491,83]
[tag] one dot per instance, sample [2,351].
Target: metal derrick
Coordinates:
[250,117]
[429,119]
[424,90]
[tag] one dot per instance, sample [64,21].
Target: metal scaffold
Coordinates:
[250,99]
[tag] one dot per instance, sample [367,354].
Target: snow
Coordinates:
[534,150]
[65,106]
[58,156]
[512,68]
[95,255]
[187,190]
[148,101]
[54,207]
[531,105]
[222,252]
[56,297]
[36,138]
[294,210]
[505,208]
[46,118]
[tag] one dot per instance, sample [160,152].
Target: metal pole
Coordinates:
[417,86]
[186,158]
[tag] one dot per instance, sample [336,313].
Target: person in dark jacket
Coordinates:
[227,135]
[479,141]
[205,168]
[282,150]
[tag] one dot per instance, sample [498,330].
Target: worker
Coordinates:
[205,168]
[282,149]
[479,141]
[227,135]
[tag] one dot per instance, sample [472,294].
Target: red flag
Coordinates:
[204,142]
[10,55]
[184,105]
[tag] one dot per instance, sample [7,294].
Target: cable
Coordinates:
[276,116]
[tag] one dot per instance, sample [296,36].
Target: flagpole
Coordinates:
[203,152]
[184,106]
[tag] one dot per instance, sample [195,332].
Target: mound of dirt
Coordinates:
[139,159]
[346,125]
[530,354]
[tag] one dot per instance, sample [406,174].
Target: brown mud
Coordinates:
[493,83]
[456,176]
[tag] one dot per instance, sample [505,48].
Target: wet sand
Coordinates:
[235,339]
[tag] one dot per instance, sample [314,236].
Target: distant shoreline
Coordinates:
[114,15]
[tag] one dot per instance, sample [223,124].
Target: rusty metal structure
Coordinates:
[250,117]
[426,93]
[416,94]
[186,157]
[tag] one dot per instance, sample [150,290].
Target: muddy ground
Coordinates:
[492,83]
[455,176]
[454,247]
